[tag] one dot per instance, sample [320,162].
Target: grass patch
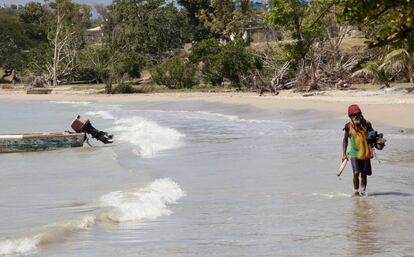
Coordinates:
[370,86]
[81,87]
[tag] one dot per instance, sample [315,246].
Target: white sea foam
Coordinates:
[147,203]
[332,195]
[149,137]
[385,91]
[49,233]
[233,118]
[18,246]
[101,114]
[74,103]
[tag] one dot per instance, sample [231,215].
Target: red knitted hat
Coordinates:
[353,109]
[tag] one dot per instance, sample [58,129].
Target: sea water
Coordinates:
[200,179]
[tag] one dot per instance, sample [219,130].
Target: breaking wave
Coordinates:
[149,137]
[228,117]
[233,118]
[101,114]
[73,103]
[146,203]
[50,233]
[150,202]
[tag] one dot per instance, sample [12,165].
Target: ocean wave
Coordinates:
[146,203]
[149,137]
[233,118]
[49,233]
[150,202]
[74,103]
[101,114]
[228,117]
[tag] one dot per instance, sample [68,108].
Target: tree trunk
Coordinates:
[108,85]
[299,43]
[244,4]
[56,52]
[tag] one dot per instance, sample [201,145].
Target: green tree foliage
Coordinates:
[19,41]
[36,14]
[151,27]
[13,40]
[193,8]
[384,21]
[226,17]
[219,18]
[303,19]
[175,72]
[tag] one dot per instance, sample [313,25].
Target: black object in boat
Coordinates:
[80,125]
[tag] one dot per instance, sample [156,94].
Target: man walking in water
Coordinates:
[358,149]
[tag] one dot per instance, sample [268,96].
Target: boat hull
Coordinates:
[29,142]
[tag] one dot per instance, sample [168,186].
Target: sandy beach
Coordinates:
[395,110]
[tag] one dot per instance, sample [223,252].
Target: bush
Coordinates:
[124,89]
[202,51]
[104,64]
[237,61]
[207,53]
[175,73]
[231,61]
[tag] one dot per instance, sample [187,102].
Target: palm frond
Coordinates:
[365,73]
[397,54]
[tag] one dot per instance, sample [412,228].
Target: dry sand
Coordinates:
[396,110]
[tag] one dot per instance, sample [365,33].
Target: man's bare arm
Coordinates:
[345,145]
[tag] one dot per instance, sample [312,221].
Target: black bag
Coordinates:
[377,139]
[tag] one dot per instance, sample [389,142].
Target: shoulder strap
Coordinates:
[346,127]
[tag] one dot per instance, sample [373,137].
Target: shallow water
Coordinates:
[200,179]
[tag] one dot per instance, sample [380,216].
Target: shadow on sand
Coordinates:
[389,193]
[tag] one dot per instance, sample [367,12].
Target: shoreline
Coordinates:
[396,110]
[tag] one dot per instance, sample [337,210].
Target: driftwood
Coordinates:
[38,82]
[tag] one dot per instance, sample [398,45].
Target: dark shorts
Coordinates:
[363,166]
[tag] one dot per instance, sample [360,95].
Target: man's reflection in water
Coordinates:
[363,230]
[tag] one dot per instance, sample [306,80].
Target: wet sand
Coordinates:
[395,110]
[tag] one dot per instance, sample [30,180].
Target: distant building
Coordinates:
[261,4]
[93,35]
[261,35]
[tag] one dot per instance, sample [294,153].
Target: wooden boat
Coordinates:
[26,142]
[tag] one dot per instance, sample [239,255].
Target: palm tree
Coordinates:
[375,71]
[401,59]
